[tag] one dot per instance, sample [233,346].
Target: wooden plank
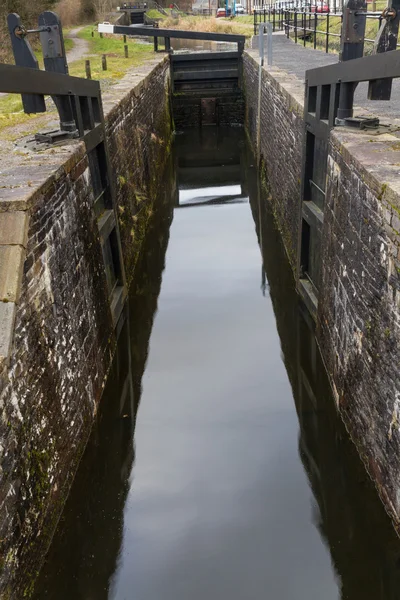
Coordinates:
[206,75]
[204,56]
[175,33]
[24,80]
[367,68]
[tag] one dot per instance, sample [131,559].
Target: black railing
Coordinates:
[276,16]
[318,28]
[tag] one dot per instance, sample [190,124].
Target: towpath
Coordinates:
[81,46]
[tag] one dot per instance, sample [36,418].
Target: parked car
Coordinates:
[239,9]
[320,8]
[222,12]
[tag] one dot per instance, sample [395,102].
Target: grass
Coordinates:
[245,19]
[209,24]
[11,110]
[113,47]
[154,14]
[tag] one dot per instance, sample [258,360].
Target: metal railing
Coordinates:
[275,16]
[305,26]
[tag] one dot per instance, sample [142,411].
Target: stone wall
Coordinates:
[281,141]
[358,318]
[359,304]
[55,367]
[224,110]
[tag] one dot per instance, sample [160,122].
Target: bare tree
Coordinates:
[102,8]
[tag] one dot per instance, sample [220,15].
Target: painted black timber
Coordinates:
[367,68]
[206,75]
[24,80]
[180,34]
[200,56]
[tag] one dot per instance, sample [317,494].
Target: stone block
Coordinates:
[14,228]
[7,317]
[11,264]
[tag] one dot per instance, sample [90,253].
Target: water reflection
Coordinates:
[210,166]
[84,555]
[219,503]
[365,550]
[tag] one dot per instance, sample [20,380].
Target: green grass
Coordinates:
[113,48]
[245,19]
[210,24]
[154,14]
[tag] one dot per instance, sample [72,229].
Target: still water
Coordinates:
[217,467]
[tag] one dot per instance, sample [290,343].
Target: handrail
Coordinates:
[24,80]
[134,30]
[296,20]
[366,68]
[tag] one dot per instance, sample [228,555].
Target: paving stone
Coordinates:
[11,263]
[13,228]
[7,316]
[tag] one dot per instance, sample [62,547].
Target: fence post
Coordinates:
[124,38]
[327,34]
[126,51]
[273,20]
[315,30]
[304,28]
[260,68]
[101,35]
[269,40]
[88,69]
[104,62]
[155,44]
[295,26]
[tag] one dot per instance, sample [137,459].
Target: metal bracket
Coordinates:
[358,122]
[353,30]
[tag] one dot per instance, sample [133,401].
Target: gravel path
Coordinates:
[81,47]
